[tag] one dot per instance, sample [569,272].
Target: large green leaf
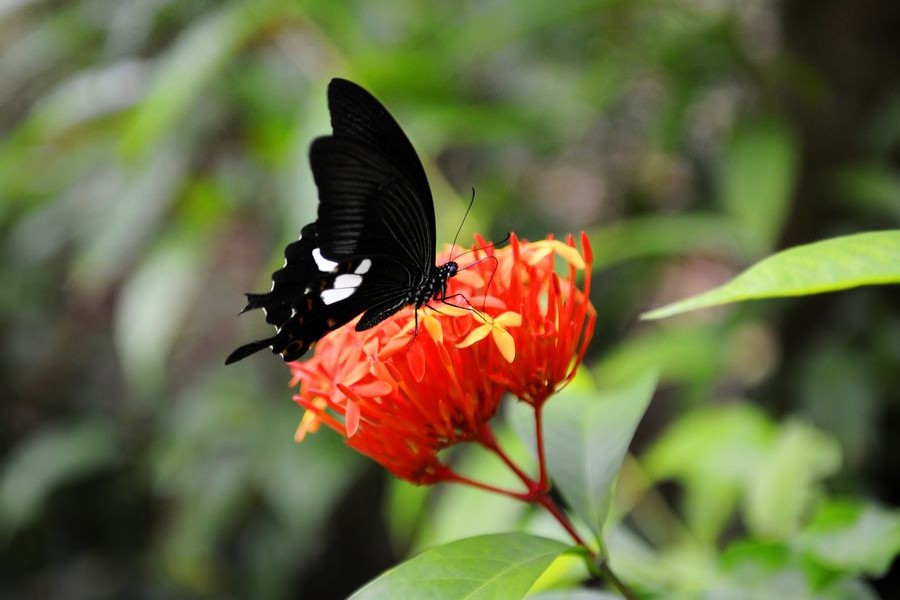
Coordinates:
[503,565]
[575,594]
[586,437]
[836,264]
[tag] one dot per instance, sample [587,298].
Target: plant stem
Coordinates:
[487,439]
[539,442]
[451,476]
[547,502]
[614,580]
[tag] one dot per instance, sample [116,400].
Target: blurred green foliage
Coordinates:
[153,166]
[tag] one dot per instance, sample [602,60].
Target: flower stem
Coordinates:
[596,558]
[614,580]
[547,502]
[454,477]
[486,438]
[539,440]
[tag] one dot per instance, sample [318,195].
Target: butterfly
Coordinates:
[372,249]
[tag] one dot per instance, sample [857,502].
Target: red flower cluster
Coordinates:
[401,400]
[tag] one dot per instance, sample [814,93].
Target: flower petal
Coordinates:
[570,255]
[434,329]
[351,418]
[505,343]
[373,389]
[540,249]
[415,360]
[308,424]
[470,278]
[476,335]
[509,319]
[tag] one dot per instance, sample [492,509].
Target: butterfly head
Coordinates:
[438,287]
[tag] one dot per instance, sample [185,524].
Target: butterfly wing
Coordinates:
[373,242]
[358,117]
[309,298]
[369,209]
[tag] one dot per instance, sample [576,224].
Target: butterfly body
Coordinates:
[372,249]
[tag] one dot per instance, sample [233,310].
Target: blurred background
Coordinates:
[153,165]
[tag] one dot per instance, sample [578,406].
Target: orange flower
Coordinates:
[557,317]
[401,400]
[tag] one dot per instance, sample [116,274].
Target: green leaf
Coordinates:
[853,537]
[763,569]
[575,594]
[586,437]
[754,559]
[784,486]
[766,569]
[840,263]
[502,565]
[48,460]
[758,181]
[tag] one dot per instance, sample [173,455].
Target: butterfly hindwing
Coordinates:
[310,296]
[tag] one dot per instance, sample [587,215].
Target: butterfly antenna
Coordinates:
[490,279]
[468,208]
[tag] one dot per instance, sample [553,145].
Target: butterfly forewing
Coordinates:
[367,207]
[371,251]
[357,115]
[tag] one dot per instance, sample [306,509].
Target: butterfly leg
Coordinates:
[481,314]
[415,327]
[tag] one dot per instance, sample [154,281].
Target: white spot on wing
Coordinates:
[325,265]
[347,281]
[363,267]
[337,294]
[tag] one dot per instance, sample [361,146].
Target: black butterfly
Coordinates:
[372,248]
